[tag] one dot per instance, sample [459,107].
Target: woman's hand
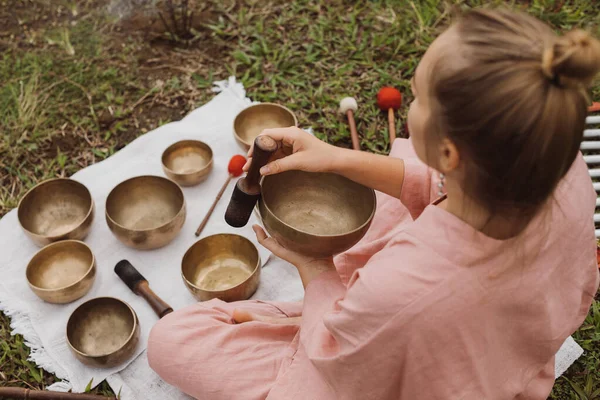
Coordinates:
[308,267]
[299,150]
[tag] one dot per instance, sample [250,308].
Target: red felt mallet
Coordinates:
[390,99]
[235,169]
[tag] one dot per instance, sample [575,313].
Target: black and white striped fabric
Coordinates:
[590,147]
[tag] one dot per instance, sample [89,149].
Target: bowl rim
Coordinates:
[256,105]
[173,146]
[48,181]
[45,248]
[115,223]
[362,226]
[256,267]
[129,338]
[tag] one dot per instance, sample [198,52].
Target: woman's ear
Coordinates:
[449,156]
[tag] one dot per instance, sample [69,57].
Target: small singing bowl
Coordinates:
[145,212]
[103,332]
[187,162]
[223,266]
[250,122]
[56,209]
[316,214]
[62,272]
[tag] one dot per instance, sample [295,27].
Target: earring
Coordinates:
[441,184]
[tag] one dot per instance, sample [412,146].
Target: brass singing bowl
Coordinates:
[145,212]
[250,122]
[223,266]
[62,272]
[316,214]
[103,332]
[56,209]
[187,162]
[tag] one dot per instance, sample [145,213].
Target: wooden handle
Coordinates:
[353,133]
[212,208]
[158,305]
[392,126]
[264,147]
[21,393]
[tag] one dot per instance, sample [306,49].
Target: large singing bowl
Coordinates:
[56,209]
[145,212]
[316,214]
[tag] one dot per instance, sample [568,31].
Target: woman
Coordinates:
[466,298]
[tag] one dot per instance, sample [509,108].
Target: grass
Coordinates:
[81,79]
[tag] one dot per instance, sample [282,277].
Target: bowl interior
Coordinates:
[55,207]
[220,262]
[187,156]
[318,203]
[253,120]
[144,202]
[100,326]
[59,265]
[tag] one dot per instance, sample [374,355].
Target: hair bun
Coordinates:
[573,59]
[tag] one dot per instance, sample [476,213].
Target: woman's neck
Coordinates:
[500,227]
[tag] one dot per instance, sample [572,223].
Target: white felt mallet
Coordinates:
[347,106]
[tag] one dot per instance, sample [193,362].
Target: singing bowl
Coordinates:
[103,332]
[250,122]
[62,272]
[145,212]
[187,162]
[223,266]
[56,209]
[316,214]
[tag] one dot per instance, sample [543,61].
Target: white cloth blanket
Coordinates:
[43,324]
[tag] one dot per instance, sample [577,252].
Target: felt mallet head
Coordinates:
[348,104]
[389,97]
[236,164]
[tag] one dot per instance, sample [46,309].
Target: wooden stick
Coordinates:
[392,125]
[158,305]
[353,133]
[212,208]
[28,394]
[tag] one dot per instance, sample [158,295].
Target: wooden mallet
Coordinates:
[390,99]
[139,285]
[247,189]
[235,166]
[348,106]
[28,394]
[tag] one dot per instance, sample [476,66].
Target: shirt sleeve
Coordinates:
[418,187]
[340,328]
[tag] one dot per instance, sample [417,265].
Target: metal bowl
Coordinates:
[317,214]
[145,212]
[223,266]
[62,272]
[187,162]
[250,122]
[103,332]
[56,209]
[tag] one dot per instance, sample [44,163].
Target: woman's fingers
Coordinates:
[274,247]
[293,162]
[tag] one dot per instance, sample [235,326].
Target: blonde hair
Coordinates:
[515,105]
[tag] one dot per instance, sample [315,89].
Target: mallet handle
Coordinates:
[28,394]
[158,305]
[212,208]
[264,147]
[353,133]
[392,126]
